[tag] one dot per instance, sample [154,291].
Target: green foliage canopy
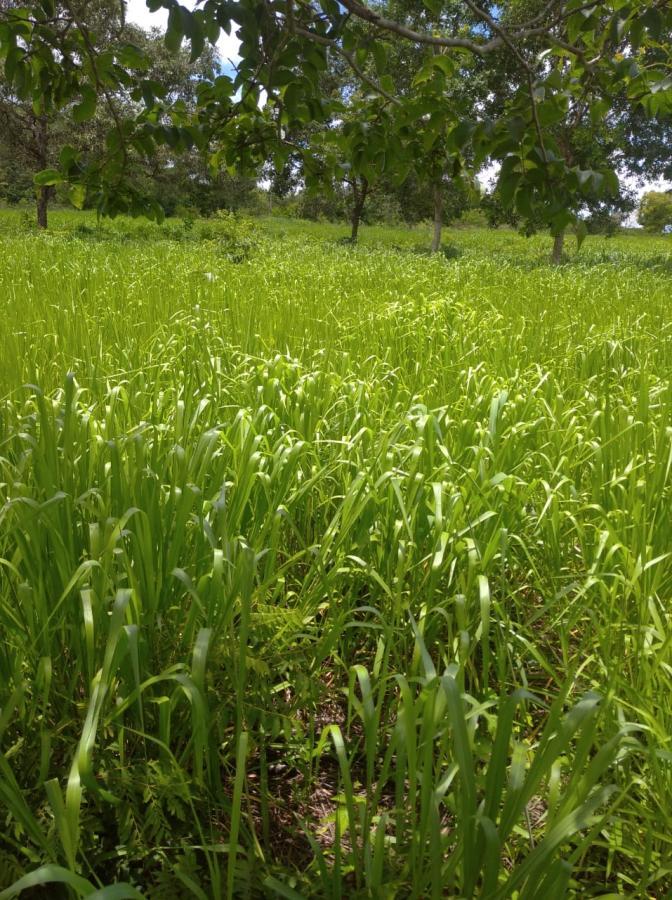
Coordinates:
[655,210]
[558,53]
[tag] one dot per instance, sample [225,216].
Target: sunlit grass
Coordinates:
[329,553]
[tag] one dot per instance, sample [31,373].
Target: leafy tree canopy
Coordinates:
[655,211]
[555,55]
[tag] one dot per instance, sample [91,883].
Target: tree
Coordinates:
[33,132]
[599,134]
[340,159]
[561,51]
[36,139]
[25,148]
[655,211]
[437,149]
[356,159]
[436,92]
[596,132]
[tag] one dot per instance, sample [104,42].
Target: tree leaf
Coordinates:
[174,31]
[77,195]
[87,106]
[48,177]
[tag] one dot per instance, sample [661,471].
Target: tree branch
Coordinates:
[368,15]
[349,58]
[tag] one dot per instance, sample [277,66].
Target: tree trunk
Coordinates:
[43,193]
[558,244]
[42,206]
[437,193]
[359,193]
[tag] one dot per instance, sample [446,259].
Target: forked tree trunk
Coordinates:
[558,244]
[359,193]
[437,193]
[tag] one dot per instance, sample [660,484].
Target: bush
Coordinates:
[235,236]
[188,214]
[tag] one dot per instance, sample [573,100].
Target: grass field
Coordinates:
[334,572]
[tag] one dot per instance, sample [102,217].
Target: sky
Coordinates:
[136,11]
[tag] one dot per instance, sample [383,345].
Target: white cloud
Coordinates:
[137,12]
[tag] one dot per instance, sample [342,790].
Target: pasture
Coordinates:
[330,571]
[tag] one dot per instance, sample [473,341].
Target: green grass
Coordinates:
[334,572]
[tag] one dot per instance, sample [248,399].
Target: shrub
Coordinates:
[235,236]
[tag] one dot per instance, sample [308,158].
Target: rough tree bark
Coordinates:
[437,194]
[558,245]
[359,194]
[42,206]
